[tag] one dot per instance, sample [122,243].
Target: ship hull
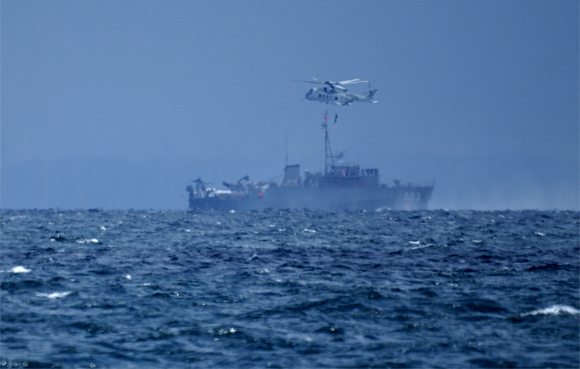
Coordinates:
[328,199]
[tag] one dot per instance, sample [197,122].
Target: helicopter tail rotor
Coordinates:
[369,96]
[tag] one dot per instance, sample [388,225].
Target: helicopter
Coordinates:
[335,92]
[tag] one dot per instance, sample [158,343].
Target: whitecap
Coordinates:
[226,331]
[379,210]
[540,234]
[54,295]
[422,247]
[19,269]
[310,230]
[554,310]
[90,240]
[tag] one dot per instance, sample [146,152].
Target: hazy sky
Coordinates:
[118,104]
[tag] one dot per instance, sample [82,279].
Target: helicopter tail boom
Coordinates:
[369,96]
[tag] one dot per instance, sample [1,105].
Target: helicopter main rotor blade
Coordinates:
[332,83]
[314,81]
[352,82]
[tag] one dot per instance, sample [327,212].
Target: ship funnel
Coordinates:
[292,176]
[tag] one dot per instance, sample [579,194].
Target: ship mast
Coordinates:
[327,150]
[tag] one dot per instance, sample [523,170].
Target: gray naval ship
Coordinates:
[339,187]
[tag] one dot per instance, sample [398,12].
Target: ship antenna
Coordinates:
[286,143]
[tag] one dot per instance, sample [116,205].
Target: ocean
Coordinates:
[289,289]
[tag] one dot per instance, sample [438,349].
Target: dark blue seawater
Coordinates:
[291,289]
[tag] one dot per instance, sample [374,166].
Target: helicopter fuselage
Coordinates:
[332,96]
[335,93]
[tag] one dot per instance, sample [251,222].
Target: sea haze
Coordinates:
[438,289]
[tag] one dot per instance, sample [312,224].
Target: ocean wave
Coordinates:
[363,290]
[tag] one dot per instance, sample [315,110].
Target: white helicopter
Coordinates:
[335,93]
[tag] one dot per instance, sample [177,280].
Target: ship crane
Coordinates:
[239,186]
